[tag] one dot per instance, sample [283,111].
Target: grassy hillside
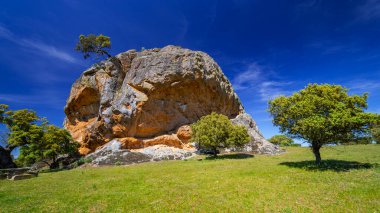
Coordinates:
[286,183]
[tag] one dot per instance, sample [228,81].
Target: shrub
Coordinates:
[217,131]
[281,140]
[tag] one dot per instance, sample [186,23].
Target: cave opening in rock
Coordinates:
[85,107]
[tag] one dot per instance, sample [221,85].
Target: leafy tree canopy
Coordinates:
[322,114]
[54,142]
[92,44]
[282,140]
[23,127]
[216,131]
[36,138]
[375,131]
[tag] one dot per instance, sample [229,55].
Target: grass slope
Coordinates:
[285,183]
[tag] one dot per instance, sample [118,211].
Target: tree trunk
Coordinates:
[109,56]
[6,160]
[54,164]
[215,152]
[317,154]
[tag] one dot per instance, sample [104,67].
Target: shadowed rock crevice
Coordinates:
[84,107]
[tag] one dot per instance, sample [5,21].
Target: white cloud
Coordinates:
[257,78]
[362,85]
[271,89]
[37,46]
[308,4]
[40,97]
[5,33]
[247,78]
[369,10]
[328,47]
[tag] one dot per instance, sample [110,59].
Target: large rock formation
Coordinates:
[149,98]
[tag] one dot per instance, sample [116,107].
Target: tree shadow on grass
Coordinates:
[53,170]
[230,156]
[330,165]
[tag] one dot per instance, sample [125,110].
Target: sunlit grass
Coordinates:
[348,182]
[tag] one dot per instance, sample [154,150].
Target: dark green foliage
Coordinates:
[23,127]
[322,114]
[281,140]
[216,131]
[81,161]
[92,44]
[54,142]
[3,109]
[36,139]
[375,131]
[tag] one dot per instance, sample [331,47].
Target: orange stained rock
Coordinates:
[84,150]
[131,143]
[169,140]
[184,133]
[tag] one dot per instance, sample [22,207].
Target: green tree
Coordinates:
[54,143]
[92,44]
[36,139]
[375,131]
[216,131]
[22,130]
[322,114]
[281,140]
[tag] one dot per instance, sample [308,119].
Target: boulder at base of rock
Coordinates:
[258,143]
[22,177]
[113,153]
[163,152]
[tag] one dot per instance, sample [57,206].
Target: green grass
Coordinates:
[349,182]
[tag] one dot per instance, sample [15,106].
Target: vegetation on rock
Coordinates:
[92,44]
[217,131]
[282,140]
[322,114]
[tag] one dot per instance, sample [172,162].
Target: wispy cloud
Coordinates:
[247,78]
[257,78]
[184,26]
[40,97]
[363,85]
[369,10]
[328,47]
[308,4]
[272,89]
[35,45]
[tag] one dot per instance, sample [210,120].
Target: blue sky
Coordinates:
[266,48]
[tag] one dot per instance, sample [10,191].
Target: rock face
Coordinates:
[149,98]
[258,143]
[17,173]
